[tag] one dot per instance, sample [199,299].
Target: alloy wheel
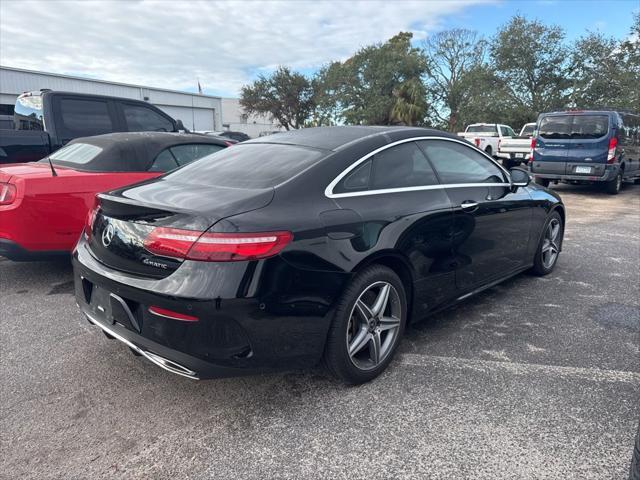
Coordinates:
[550,247]
[374,325]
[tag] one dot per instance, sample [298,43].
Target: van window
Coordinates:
[574,126]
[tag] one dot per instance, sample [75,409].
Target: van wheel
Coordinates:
[367,326]
[614,186]
[542,181]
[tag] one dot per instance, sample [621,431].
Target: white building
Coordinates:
[197,112]
[234,119]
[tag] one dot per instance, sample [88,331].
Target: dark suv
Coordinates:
[585,147]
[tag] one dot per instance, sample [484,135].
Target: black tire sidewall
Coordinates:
[336,356]
[538,264]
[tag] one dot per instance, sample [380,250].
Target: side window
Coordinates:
[84,117]
[164,162]
[402,166]
[188,153]
[457,163]
[357,180]
[143,119]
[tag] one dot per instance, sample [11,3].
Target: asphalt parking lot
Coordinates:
[535,378]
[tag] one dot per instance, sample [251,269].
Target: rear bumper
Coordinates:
[609,174]
[233,336]
[13,251]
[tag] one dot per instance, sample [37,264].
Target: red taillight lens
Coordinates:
[163,312]
[533,148]
[611,155]
[215,247]
[477,142]
[8,193]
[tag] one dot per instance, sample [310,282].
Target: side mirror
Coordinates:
[180,126]
[519,177]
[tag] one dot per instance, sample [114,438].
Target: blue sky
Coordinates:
[609,17]
[226,44]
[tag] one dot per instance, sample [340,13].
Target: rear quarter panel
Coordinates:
[50,212]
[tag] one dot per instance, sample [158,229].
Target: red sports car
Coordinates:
[43,205]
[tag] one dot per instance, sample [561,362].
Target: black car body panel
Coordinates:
[275,312]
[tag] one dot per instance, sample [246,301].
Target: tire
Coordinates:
[614,186]
[508,164]
[634,473]
[489,151]
[545,261]
[350,323]
[543,181]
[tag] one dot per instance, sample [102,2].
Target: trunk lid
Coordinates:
[126,217]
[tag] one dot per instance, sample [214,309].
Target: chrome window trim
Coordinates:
[328,192]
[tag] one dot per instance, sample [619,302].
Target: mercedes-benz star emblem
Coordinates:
[107,235]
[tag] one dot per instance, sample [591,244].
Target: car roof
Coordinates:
[339,137]
[135,151]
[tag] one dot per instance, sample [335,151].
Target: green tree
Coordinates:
[597,75]
[453,63]
[531,60]
[380,84]
[606,72]
[286,96]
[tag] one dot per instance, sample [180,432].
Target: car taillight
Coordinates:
[533,148]
[215,247]
[611,155]
[8,193]
[477,141]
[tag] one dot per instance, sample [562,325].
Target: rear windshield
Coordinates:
[252,165]
[482,129]
[527,130]
[77,153]
[574,126]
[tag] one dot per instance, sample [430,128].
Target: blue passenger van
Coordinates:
[586,147]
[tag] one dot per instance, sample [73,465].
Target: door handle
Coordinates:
[468,205]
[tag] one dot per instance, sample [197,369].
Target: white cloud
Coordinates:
[169,44]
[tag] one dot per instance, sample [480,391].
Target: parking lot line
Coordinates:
[516,368]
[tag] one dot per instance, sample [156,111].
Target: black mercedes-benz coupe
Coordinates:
[316,244]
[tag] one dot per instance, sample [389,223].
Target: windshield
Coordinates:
[78,153]
[574,126]
[482,129]
[252,165]
[527,130]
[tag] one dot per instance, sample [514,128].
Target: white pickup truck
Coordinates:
[516,150]
[488,136]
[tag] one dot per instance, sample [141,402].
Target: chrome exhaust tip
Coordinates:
[164,363]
